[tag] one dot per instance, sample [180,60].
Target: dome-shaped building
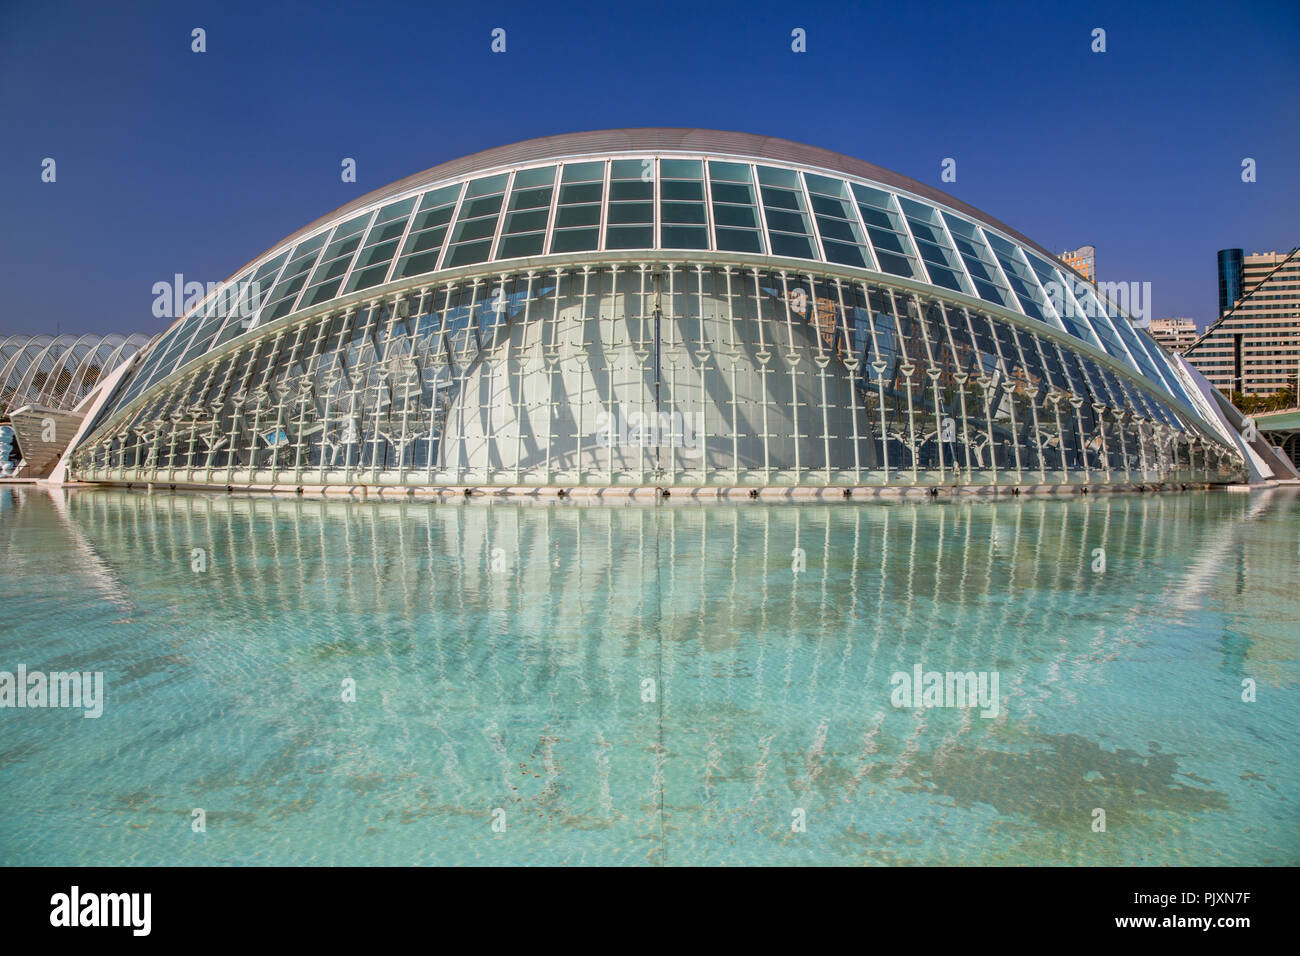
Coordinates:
[655,307]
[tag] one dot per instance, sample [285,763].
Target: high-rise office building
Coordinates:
[1254,346]
[1083,261]
[1175,334]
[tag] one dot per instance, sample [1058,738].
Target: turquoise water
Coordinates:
[501,655]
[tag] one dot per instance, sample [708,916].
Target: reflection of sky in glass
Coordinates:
[522,689]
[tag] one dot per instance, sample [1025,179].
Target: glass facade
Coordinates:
[653,319]
[1231,264]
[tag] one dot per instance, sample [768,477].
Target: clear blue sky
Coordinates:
[170,161]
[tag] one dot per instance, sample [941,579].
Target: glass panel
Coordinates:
[840,233]
[630,215]
[681,189]
[524,230]
[476,223]
[1061,301]
[428,232]
[574,240]
[683,223]
[631,212]
[521,245]
[440,198]
[530,178]
[739,240]
[292,279]
[771,176]
[476,208]
[537,198]
[938,254]
[825,186]
[468,253]
[639,169]
[797,247]
[396,210]
[1022,280]
[684,237]
[885,228]
[582,172]
[681,169]
[729,172]
[785,213]
[335,261]
[786,221]
[743,216]
[629,237]
[683,212]
[486,186]
[433,217]
[474,229]
[584,215]
[849,255]
[979,260]
[371,266]
[633,189]
[529,221]
[583,193]
[733,193]
[735,208]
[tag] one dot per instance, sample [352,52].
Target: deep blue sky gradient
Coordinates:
[170,161]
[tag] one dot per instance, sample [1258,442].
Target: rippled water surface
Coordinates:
[652,684]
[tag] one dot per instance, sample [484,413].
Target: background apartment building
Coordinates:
[1175,334]
[1254,345]
[1083,261]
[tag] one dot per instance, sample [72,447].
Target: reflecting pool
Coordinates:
[664,683]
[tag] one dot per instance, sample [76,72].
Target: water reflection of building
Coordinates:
[512,636]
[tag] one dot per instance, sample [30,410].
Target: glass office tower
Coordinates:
[1231,263]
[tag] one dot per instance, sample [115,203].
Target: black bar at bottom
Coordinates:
[299,906]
